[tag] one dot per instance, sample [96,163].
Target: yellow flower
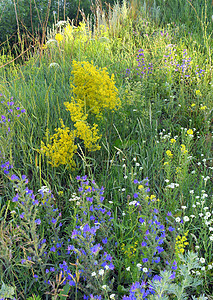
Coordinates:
[189,131]
[44,47]
[140,187]
[61,148]
[93,88]
[193,104]
[203,107]
[172,141]
[59,37]
[169,153]
[166,163]
[183,149]
[198,93]
[178,170]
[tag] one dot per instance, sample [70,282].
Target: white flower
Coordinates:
[191,192]
[104,286]
[209,267]
[197,247]
[145,270]
[197,197]
[186,218]
[139,265]
[134,158]
[110,202]
[106,267]
[203,269]
[208,214]
[112,296]
[193,205]
[172,185]
[128,268]
[211,238]
[93,274]
[166,180]
[123,190]
[202,260]
[123,213]
[201,214]
[210,228]
[125,177]
[101,272]
[183,207]
[141,168]
[206,208]
[137,164]
[192,216]
[204,196]
[197,273]
[177,220]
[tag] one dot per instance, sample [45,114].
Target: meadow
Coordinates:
[106,157]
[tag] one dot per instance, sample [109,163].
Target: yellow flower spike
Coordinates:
[198,93]
[166,163]
[203,107]
[59,37]
[193,104]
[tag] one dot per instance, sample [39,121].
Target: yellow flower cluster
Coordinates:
[59,37]
[172,141]
[95,88]
[183,149]
[169,154]
[129,250]
[94,91]
[181,243]
[61,148]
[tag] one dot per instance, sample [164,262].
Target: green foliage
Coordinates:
[186,280]
[7,291]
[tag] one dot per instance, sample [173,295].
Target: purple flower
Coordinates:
[157,260]
[135,195]
[54,220]
[38,221]
[143,244]
[36,277]
[144,260]
[22,215]
[15,199]
[159,249]
[96,248]
[171,228]
[14,177]
[169,214]
[52,249]
[104,241]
